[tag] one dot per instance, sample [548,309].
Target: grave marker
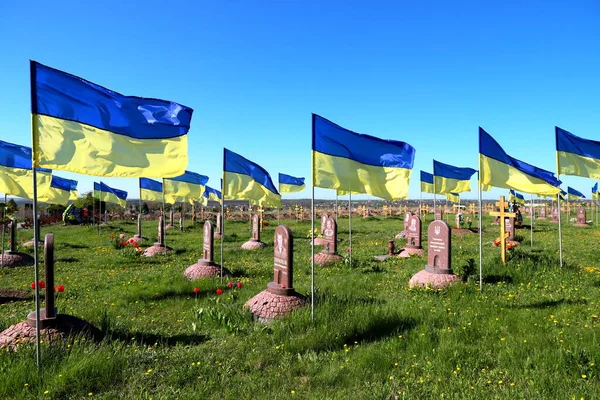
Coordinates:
[206,266]
[329,253]
[502,214]
[581,217]
[254,242]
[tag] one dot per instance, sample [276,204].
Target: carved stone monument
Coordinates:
[542,212]
[206,267]
[219,232]
[280,298]
[554,214]
[159,247]
[31,242]
[319,241]
[413,238]
[171,219]
[254,242]
[438,271]
[402,234]
[138,238]
[581,217]
[11,257]
[329,253]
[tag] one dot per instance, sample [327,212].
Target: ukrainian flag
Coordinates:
[16,175]
[186,187]
[577,156]
[453,197]
[515,197]
[340,193]
[107,194]
[290,184]
[501,170]
[151,190]
[355,162]
[245,180]
[211,194]
[561,194]
[595,191]
[450,179]
[574,194]
[426,182]
[82,127]
[61,191]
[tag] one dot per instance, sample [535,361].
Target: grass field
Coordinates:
[532,333]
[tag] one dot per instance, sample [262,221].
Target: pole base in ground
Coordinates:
[204,269]
[267,306]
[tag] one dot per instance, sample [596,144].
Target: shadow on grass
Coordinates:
[150,339]
[325,297]
[75,246]
[67,259]
[550,303]
[168,295]
[497,279]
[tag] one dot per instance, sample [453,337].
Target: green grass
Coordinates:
[532,333]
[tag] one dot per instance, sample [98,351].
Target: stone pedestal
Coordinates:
[319,241]
[156,248]
[16,259]
[30,243]
[206,267]
[254,242]
[266,306]
[425,278]
[253,245]
[324,259]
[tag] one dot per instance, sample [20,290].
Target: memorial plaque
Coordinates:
[323,221]
[413,232]
[330,236]
[554,214]
[208,242]
[581,216]
[509,227]
[283,257]
[439,248]
[256,227]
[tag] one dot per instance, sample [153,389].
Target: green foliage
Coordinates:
[145,209]
[12,207]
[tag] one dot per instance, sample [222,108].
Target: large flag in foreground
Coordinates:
[246,180]
[151,190]
[355,162]
[501,170]
[16,175]
[427,182]
[574,194]
[82,127]
[290,184]
[61,191]
[577,156]
[450,179]
[107,194]
[186,187]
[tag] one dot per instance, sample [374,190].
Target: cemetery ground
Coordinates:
[531,333]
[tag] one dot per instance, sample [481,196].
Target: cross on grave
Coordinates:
[283,262]
[502,205]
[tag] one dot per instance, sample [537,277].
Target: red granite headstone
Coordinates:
[219,230]
[330,236]
[542,212]
[324,217]
[256,227]
[439,260]
[509,227]
[283,267]
[407,216]
[413,232]
[581,217]
[554,214]
[208,243]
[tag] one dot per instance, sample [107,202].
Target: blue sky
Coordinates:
[428,73]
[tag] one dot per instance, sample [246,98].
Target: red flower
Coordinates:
[22,239]
[230,285]
[60,288]
[239,285]
[33,285]
[112,236]
[219,291]
[196,290]
[122,243]
[41,284]
[348,250]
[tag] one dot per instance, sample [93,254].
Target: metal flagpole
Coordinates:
[532,212]
[164,212]
[336,207]
[3,230]
[100,206]
[559,228]
[480,237]
[350,224]
[93,209]
[420,204]
[222,220]
[312,244]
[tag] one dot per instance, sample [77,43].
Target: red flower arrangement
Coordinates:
[59,288]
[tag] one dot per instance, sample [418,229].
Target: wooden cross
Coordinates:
[502,214]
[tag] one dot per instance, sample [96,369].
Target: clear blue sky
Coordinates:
[428,73]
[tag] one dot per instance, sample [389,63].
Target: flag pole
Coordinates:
[3,230]
[100,206]
[532,211]
[164,212]
[222,215]
[480,235]
[312,241]
[93,207]
[336,207]
[350,224]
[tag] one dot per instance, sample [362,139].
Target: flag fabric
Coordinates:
[186,187]
[246,180]
[151,190]
[427,182]
[16,175]
[290,184]
[211,194]
[577,156]
[515,197]
[574,194]
[61,191]
[340,193]
[560,195]
[356,162]
[501,170]
[451,179]
[595,191]
[107,194]
[82,127]
[453,197]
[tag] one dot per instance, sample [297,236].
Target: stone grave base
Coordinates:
[65,325]
[554,222]
[400,235]
[32,241]
[253,245]
[137,239]
[319,241]
[204,270]
[326,258]
[425,278]
[156,249]
[411,251]
[7,295]
[217,236]
[580,225]
[16,259]
[267,306]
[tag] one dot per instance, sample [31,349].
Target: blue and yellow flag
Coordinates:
[577,156]
[595,191]
[290,184]
[16,175]
[501,170]
[61,191]
[515,197]
[186,187]
[355,162]
[107,194]
[151,190]
[211,194]
[453,197]
[574,194]
[82,127]
[451,179]
[246,180]
[426,182]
